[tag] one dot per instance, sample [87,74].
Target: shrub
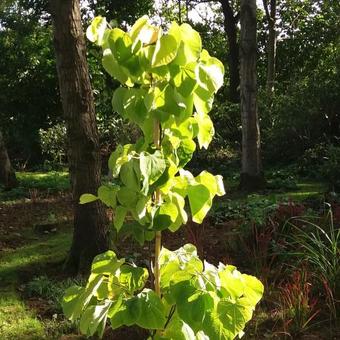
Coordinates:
[323,162]
[53,144]
[282,179]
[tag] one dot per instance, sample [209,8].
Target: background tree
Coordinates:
[7,174]
[251,174]
[90,235]
[270,10]
[122,12]
[29,99]
[230,22]
[305,110]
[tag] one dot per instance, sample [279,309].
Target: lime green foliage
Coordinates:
[211,301]
[16,321]
[168,87]
[165,77]
[198,298]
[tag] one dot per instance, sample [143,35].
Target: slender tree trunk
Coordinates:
[271,44]
[187,10]
[179,12]
[251,174]
[90,236]
[230,27]
[7,174]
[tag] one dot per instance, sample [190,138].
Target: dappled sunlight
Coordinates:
[33,255]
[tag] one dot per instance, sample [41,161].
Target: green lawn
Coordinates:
[17,321]
[29,183]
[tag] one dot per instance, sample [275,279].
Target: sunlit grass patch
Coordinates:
[305,190]
[16,321]
[50,182]
[35,254]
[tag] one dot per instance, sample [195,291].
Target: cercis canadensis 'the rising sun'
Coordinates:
[168,83]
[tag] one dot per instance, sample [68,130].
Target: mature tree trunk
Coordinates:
[271,44]
[7,174]
[90,236]
[251,175]
[230,27]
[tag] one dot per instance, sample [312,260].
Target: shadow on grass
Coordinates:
[33,256]
[16,320]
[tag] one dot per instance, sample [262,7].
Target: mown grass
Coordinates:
[17,321]
[52,180]
[28,182]
[35,255]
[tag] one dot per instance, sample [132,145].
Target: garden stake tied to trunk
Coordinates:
[167,88]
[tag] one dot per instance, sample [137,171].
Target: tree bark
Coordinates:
[230,27]
[7,174]
[251,174]
[90,236]
[271,44]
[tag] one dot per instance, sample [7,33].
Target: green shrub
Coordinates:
[323,162]
[53,144]
[284,179]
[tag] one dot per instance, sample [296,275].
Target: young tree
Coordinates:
[7,174]
[168,83]
[90,235]
[251,174]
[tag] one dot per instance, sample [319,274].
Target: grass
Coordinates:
[34,255]
[17,321]
[30,182]
[304,190]
[52,180]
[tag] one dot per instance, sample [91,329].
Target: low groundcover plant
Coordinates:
[168,83]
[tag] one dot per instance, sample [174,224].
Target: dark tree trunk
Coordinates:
[271,44]
[7,174]
[251,174]
[230,27]
[90,236]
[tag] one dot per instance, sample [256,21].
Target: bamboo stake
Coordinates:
[158,199]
